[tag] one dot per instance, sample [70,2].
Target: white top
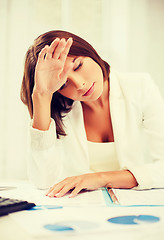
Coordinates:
[137,113]
[103,157]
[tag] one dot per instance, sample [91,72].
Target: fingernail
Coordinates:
[57,194]
[48,191]
[49,195]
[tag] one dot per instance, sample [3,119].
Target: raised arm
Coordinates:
[50,74]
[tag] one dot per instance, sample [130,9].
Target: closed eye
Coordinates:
[80,64]
[65,84]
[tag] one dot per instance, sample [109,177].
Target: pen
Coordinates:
[112,195]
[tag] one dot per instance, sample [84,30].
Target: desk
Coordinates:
[11,230]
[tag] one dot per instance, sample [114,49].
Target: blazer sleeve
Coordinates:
[43,152]
[52,159]
[151,174]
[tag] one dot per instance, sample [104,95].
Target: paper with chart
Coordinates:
[106,221]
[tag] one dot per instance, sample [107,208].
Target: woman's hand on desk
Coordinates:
[91,181]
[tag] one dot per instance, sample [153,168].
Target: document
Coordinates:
[103,222]
[87,214]
[139,197]
[28,192]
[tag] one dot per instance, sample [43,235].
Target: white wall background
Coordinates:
[129,34]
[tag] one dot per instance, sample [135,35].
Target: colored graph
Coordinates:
[134,219]
[71,226]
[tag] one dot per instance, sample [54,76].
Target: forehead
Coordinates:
[71,58]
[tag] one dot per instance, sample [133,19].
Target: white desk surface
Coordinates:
[11,230]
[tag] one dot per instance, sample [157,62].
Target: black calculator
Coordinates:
[9,205]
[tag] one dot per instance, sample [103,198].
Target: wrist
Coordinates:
[41,109]
[38,95]
[119,179]
[105,178]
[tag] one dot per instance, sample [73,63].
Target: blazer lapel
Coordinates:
[126,126]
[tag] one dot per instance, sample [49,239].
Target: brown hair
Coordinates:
[59,104]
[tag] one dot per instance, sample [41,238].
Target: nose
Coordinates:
[77,80]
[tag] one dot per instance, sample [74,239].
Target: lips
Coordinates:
[90,90]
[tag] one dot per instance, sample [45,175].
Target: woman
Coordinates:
[91,126]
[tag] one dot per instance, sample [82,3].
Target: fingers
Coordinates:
[52,48]
[64,53]
[76,190]
[64,190]
[60,193]
[42,53]
[67,68]
[54,190]
[57,49]
[60,189]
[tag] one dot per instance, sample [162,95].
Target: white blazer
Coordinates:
[137,113]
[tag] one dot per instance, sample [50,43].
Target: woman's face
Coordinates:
[84,81]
